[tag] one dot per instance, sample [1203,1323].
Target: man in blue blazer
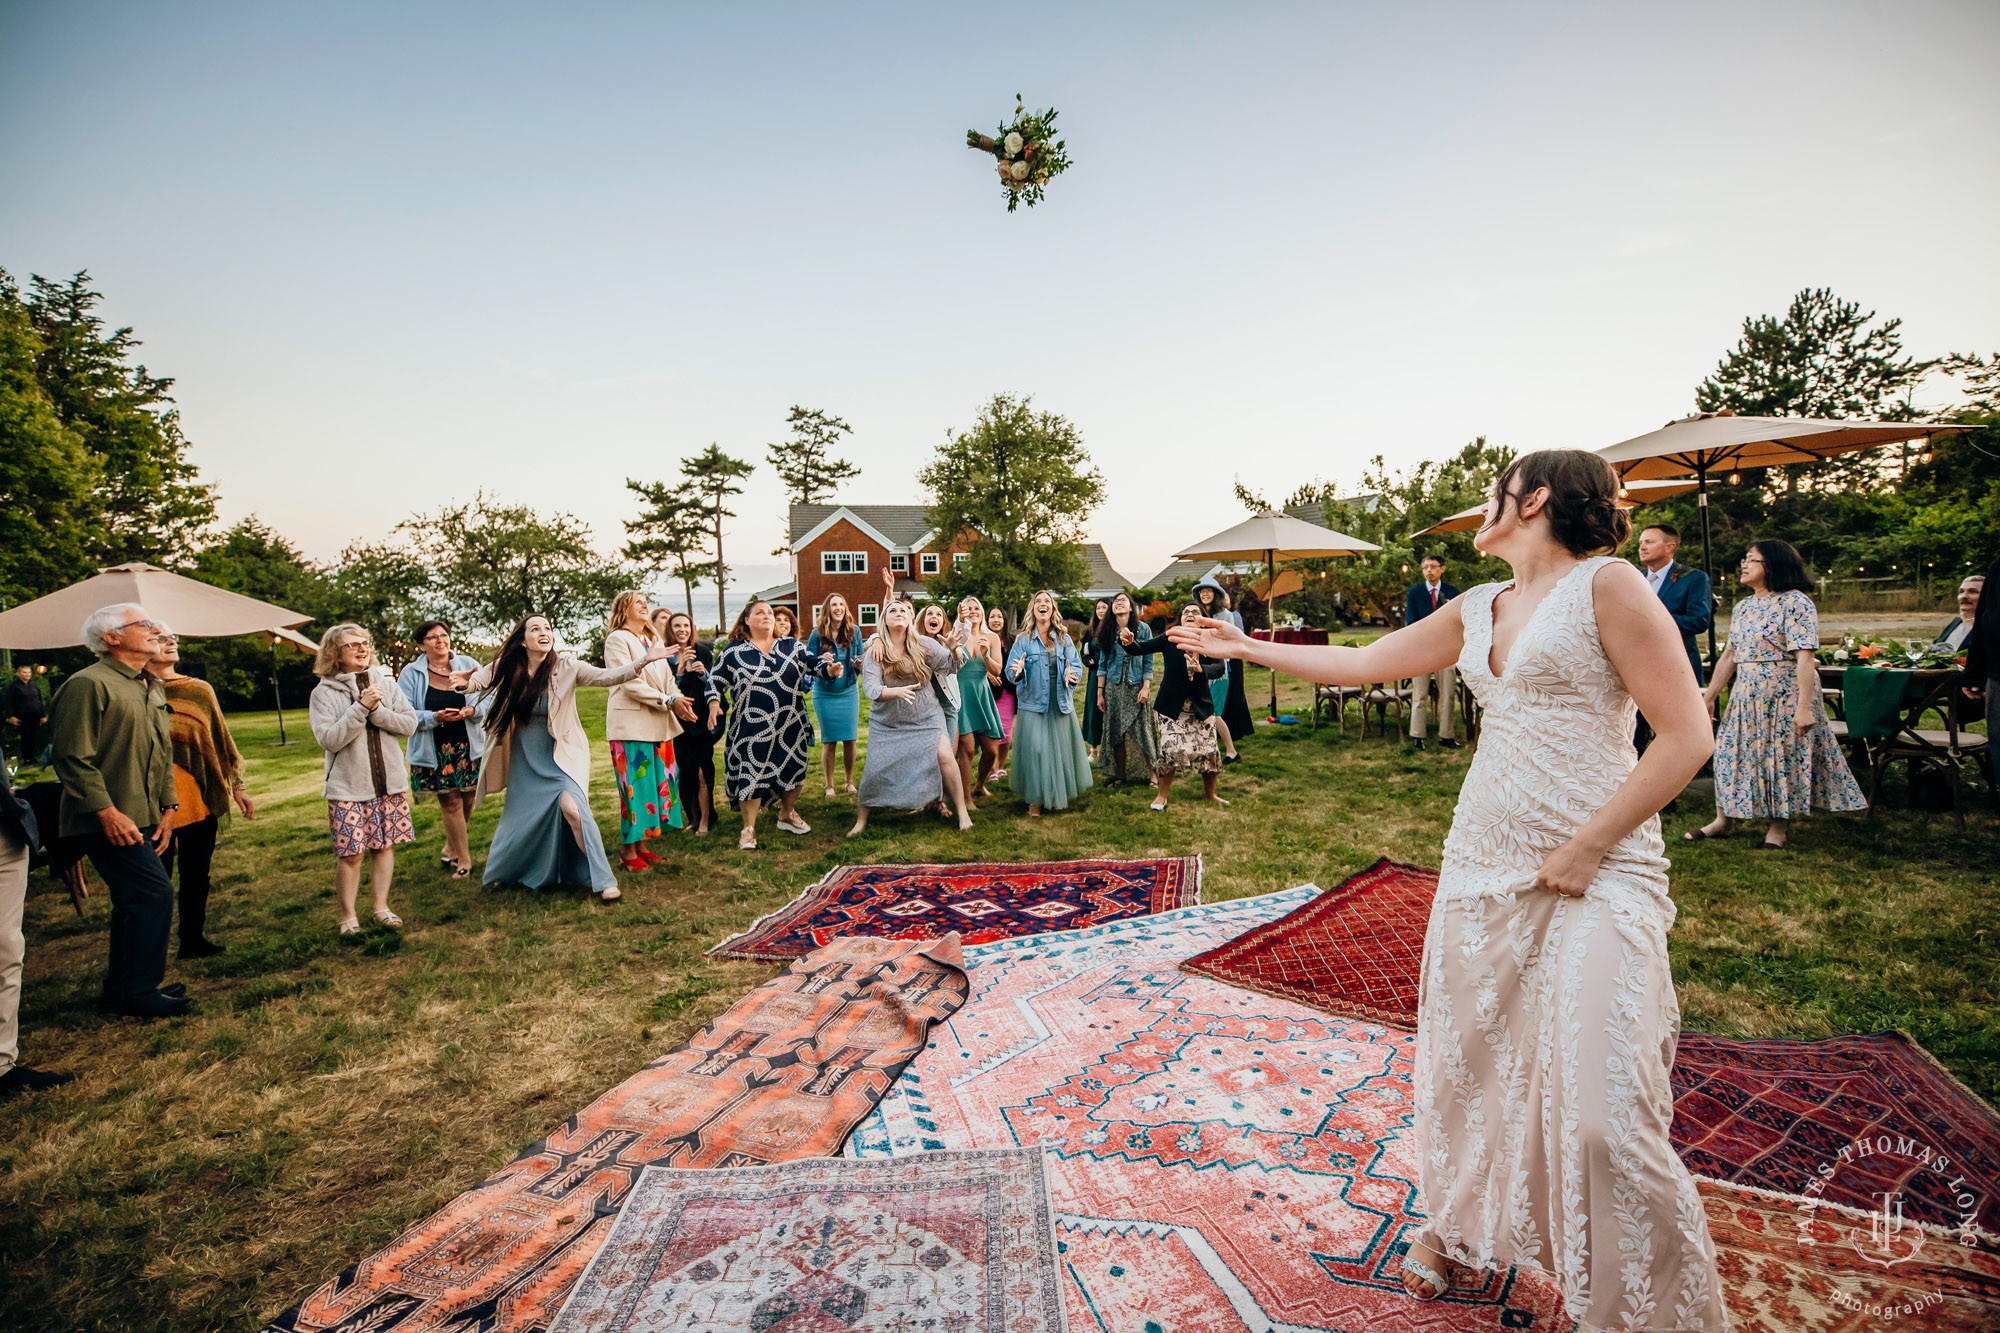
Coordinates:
[1684,591]
[1421,600]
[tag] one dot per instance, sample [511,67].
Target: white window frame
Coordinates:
[843,562]
[928,562]
[959,557]
[899,564]
[867,615]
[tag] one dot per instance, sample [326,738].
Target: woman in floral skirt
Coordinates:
[1775,757]
[641,719]
[444,752]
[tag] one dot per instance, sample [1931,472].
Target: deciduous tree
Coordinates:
[492,564]
[1019,487]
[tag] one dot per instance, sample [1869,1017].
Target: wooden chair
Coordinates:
[1332,699]
[1939,749]
[1389,694]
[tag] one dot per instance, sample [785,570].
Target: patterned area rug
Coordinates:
[1223,1162]
[784,1074]
[1355,950]
[1779,1115]
[981,901]
[945,1241]
[1785,1271]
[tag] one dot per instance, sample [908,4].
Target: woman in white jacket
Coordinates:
[353,708]
[537,752]
[641,719]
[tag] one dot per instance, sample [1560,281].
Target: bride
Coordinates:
[1548,1019]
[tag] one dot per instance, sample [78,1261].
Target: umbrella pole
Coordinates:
[277,697]
[1707,558]
[1271,621]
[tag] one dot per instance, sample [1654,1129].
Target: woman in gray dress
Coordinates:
[911,761]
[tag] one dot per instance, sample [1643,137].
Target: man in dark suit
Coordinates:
[1685,591]
[18,836]
[1421,600]
[1955,632]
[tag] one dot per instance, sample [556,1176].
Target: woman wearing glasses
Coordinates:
[1775,756]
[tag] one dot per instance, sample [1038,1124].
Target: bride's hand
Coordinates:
[1569,870]
[1210,638]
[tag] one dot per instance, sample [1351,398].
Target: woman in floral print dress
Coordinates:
[1776,757]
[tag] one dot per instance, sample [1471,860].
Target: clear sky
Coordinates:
[397,253]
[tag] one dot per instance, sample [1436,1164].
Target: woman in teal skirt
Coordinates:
[836,645]
[979,729]
[1051,764]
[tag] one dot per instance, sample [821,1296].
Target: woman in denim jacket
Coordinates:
[1124,684]
[1051,763]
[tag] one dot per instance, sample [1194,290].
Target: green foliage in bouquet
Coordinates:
[1879,652]
[1028,153]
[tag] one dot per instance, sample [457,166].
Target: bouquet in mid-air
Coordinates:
[1029,154]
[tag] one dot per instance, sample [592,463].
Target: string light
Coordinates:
[1736,479]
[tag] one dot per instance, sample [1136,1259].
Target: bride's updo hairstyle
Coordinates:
[1583,511]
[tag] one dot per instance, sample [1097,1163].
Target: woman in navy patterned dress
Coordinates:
[765,747]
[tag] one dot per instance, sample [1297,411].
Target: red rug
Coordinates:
[1861,1116]
[784,1074]
[1355,950]
[978,900]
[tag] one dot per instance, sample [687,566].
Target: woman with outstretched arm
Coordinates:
[1547,1020]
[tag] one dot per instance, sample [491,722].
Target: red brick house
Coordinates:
[840,548]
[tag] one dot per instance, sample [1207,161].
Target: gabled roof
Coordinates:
[1102,580]
[1197,570]
[900,528]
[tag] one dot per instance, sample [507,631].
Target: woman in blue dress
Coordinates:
[538,754]
[1051,762]
[836,647]
[764,749]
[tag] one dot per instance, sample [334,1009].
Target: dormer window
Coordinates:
[929,562]
[899,564]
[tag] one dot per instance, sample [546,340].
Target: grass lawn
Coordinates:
[205,1173]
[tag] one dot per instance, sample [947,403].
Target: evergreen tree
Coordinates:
[668,534]
[149,503]
[1824,357]
[1020,485]
[714,475]
[48,475]
[805,462]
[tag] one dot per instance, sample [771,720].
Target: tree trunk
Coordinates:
[721,573]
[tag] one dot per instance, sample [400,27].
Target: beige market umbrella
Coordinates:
[1271,537]
[196,610]
[1724,442]
[1631,495]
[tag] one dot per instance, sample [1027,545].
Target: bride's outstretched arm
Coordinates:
[1644,646]
[1428,645]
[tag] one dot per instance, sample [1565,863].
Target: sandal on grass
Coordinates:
[350,925]
[462,871]
[385,917]
[747,843]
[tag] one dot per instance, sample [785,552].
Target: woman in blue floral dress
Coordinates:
[1775,756]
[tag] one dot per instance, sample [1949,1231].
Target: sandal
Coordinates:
[385,917]
[1702,834]
[801,827]
[747,843]
[350,926]
[610,895]
[462,871]
[1437,1283]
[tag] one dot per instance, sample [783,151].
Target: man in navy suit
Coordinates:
[1685,593]
[1422,599]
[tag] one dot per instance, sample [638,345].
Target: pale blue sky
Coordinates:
[395,253]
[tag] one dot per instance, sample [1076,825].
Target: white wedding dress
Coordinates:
[1547,1024]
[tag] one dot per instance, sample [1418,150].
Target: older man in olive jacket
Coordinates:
[115,757]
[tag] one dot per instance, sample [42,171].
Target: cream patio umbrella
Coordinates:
[194,609]
[1725,442]
[1630,496]
[1272,536]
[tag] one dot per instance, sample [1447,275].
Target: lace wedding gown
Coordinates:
[1547,1024]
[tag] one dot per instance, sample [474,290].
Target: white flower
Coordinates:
[1013,144]
[1019,171]
[1840,654]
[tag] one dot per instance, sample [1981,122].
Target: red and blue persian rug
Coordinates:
[1848,1119]
[979,900]
[1355,950]
[1227,1162]
[783,1074]
[958,1241]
